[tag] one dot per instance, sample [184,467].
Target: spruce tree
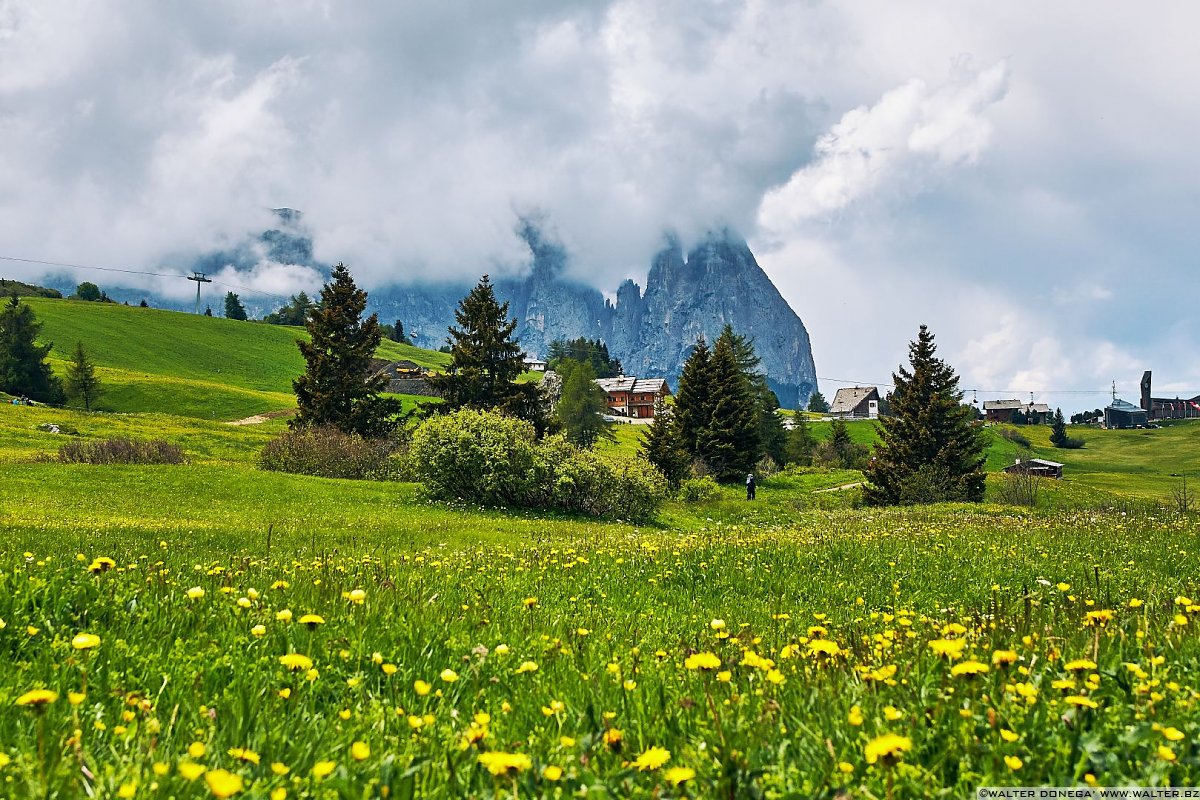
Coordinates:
[1058,430]
[233,307]
[23,367]
[486,361]
[729,442]
[82,383]
[929,449]
[817,403]
[338,388]
[693,408]
[801,442]
[772,438]
[661,446]
[581,408]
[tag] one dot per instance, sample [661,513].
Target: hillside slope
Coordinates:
[171,362]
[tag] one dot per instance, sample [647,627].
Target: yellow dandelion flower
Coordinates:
[197,749]
[552,772]
[356,596]
[855,716]
[678,775]
[279,768]
[724,676]
[1173,734]
[312,621]
[284,615]
[613,737]
[1001,658]
[500,763]
[127,790]
[449,675]
[1013,763]
[243,754]
[259,630]
[652,759]
[890,747]
[529,602]
[279,793]
[1008,735]
[360,751]
[705,661]
[194,593]
[190,770]
[1080,700]
[85,641]
[950,648]
[421,688]
[717,624]
[969,668]
[1166,753]
[323,769]
[526,666]
[75,698]
[296,662]
[824,647]
[1079,665]
[37,698]
[222,783]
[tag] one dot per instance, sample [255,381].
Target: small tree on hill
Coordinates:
[729,443]
[23,367]
[233,307]
[839,450]
[581,408]
[929,449]
[661,446]
[82,383]
[486,361]
[1058,430]
[88,291]
[338,388]
[817,403]
[800,442]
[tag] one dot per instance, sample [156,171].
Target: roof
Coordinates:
[1044,462]
[1002,405]
[634,385]
[1038,408]
[1122,405]
[851,397]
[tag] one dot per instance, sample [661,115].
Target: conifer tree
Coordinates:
[581,408]
[233,307]
[82,383]
[23,367]
[801,442]
[929,450]
[817,403]
[729,442]
[772,438]
[1058,430]
[486,361]
[692,406]
[661,446]
[338,388]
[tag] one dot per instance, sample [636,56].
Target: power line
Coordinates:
[884,384]
[138,272]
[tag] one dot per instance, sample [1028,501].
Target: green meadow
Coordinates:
[214,630]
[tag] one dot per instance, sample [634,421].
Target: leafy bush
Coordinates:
[495,460]
[120,450]
[1015,436]
[329,453]
[1071,443]
[931,483]
[695,490]
[1019,488]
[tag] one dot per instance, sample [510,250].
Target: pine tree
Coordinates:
[82,383]
[772,438]
[233,307]
[817,403]
[801,442]
[661,446]
[581,408]
[729,443]
[693,409]
[337,388]
[1058,430]
[486,361]
[929,449]
[23,367]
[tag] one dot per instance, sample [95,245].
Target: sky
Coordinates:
[1019,176]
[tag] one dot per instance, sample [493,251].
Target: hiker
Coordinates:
[749,485]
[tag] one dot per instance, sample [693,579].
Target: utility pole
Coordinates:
[199,278]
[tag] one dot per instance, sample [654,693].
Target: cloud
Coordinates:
[912,133]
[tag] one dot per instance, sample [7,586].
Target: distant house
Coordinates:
[634,397]
[856,401]
[404,377]
[1007,411]
[1037,466]
[534,364]
[1167,408]
[1038,414]
[1122,414]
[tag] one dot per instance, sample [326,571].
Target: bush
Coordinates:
[120,451]
[931,484]
[1019,488]
[848,456]
[494,460]
[1015,436]
[329,453]
[1071,443]
[696,490]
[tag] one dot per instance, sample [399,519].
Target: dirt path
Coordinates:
[258,419]
[839,488]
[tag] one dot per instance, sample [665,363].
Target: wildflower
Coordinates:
[717,624]
[1098,618]
[652,759]
[1080,700]
[279,793]
[1166,753]
[449,675]
[312,621]
[855,716]
[705,661]
[279,768]
[360,751]
[1002,658]
[555,707]
[529,602]
[775,676]
[890,747]
[37,698]
[499,763]
[552,772]
[823,647]
[950,648]
[128,790]
[421,688]
[242,754]
[195,593]
[892,714]
[101,564]
[389,669]
[296,661]
[259,630]
[678,775]
[222,783]
[243,602]
[196,749]
[323,769]
[356,596]
[284,615]
[190,770]
[613,738]
[526,666]
[285,693]
[1079,665]
[724,676]
[566,741]
[969,668]
[1173,734]
[1064,587]
[1013,763]
[32,631]
[1008,735]
[75,698]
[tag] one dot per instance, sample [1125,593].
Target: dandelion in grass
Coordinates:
[1082,702]
[283,615]
[296,662]
[614,738]
[85,641]
[1173,734]
[448,675]
[702,661]
[887,749]
[190,770]
[969,669]
[222,783]
[678,775]
[526,666]
[500,763]
[323,769]
[1079,665]
[312,621]
[37,698]
[1166,753]
[243,754]
[421,688]
[949,648]
[194,593]
[1013,763]
[360,751]
[1002,658]
[652,759]
[552,772]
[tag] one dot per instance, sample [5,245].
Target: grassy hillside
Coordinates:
[170,362]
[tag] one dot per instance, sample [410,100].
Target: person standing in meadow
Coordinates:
[749,485]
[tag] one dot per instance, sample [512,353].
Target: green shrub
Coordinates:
[120,450]
[696,490]
[494,460]
[329,453]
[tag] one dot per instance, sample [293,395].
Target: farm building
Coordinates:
[1036,466]
[856,401]
[1122,414]
[534,364]
[1015,410]
[404,377]
[1166,408]
[634,397]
